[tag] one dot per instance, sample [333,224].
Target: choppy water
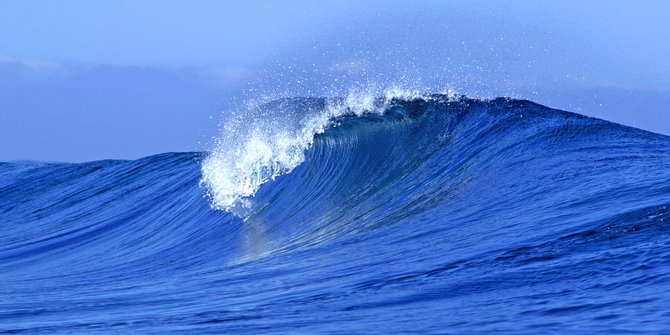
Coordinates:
[404,214]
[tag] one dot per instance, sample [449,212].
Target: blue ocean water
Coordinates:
[403,214]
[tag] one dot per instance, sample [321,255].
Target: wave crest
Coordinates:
[245,157]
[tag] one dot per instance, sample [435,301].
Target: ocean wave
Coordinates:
[401,211]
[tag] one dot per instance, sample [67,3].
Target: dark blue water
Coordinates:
[439,216]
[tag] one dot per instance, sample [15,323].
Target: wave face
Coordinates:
[433,214]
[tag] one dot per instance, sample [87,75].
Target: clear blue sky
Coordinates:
[82,80]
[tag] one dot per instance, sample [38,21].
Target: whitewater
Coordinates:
[400,212]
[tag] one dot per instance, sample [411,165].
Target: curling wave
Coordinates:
[269,140]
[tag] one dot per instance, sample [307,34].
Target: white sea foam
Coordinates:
[262,144]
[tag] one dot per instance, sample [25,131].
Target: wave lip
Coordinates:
[245,157]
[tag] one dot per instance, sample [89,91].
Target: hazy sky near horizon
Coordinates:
[82,80]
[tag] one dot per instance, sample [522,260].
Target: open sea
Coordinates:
[403,213]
